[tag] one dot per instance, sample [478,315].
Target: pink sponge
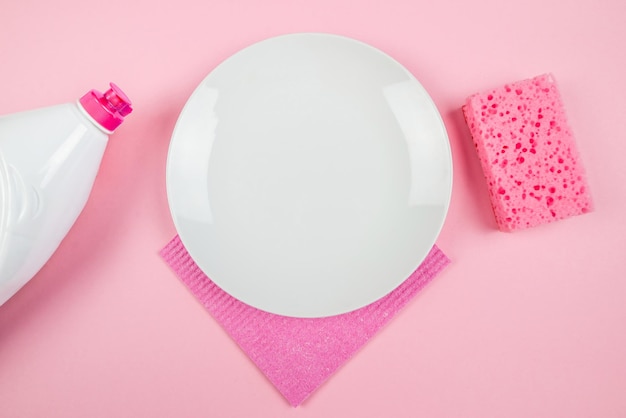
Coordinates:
[528,154]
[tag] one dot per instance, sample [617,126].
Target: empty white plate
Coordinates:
[309,175]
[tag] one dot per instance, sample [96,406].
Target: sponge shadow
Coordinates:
[468,172]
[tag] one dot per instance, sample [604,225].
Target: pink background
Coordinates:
[530,324]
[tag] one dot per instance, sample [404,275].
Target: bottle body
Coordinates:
[49,159]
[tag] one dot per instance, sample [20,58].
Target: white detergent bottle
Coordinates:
[49,159]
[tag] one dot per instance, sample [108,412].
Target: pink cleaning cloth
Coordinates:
[297,354]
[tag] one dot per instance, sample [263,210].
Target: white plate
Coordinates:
[309,175]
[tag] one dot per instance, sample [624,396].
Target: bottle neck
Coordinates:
[91,119]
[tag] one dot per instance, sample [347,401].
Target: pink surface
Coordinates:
[297,354]
[529,324]
[528,153]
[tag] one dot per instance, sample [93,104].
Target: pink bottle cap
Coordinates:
[108,109]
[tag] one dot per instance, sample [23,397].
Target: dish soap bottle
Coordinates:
[49,158]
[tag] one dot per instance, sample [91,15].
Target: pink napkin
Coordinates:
[297,354]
